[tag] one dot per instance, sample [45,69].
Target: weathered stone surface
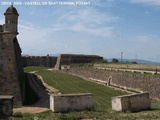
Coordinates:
[140,82]
[67,59]
[134,102]
[11,69]
[68,102]
[46,61]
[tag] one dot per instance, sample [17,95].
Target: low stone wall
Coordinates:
[134,102]
[139,82]
[6,105]
[68,102]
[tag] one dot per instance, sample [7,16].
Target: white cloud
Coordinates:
[81,28]
[31,38]
[42,41]
[149,2]
[88,16]
[87,21]
[70,27]
[102,31]
[1,21]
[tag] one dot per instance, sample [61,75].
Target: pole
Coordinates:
[121,56]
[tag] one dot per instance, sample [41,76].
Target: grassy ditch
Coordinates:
[67,84]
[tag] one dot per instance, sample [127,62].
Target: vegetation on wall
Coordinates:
[100,61]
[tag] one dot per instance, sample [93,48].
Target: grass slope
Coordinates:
[67,84]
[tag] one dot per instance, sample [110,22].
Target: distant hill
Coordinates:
[139,61]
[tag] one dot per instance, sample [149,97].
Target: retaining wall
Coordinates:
[140,82]
[134,102]
[69,102]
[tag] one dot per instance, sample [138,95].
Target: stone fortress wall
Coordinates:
[57,62]
[46,61]
[140,82]
[11,69]
[67,59]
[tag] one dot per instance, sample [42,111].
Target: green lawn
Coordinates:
[67,83]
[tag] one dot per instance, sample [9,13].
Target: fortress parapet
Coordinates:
[46,61]
[67,59]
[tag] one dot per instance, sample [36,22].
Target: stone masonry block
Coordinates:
[133,102]
[69,102]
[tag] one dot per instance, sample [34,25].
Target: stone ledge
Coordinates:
[6,97]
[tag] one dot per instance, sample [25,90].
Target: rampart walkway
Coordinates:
[129,70]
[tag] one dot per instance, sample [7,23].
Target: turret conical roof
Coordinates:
[11,10]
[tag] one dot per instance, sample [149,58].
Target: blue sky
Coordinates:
[103,27]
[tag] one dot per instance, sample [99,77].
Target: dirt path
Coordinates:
[32,110]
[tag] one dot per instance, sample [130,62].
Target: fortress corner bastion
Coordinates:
[11,68]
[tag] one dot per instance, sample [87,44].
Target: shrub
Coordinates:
[101,61]
[114,60]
